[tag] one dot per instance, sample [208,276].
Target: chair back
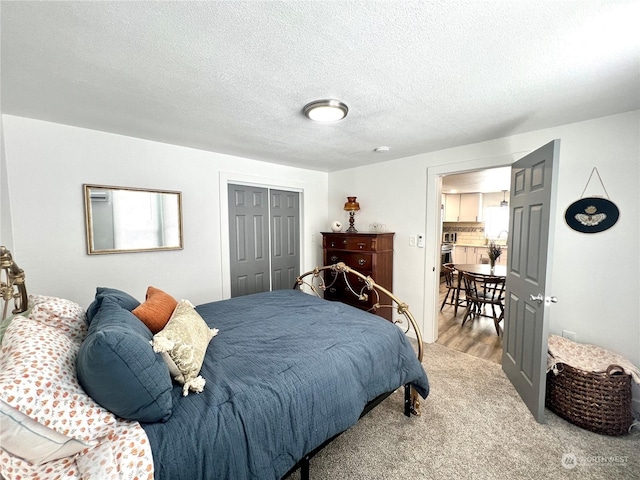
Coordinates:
[484,288]
[448,275]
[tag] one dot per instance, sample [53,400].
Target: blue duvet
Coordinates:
[286,372]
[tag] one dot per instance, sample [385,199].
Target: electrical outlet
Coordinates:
[412,240]
[569,335]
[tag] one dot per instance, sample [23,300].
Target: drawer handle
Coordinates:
[361,261]
[333,244]
[332,290]
[344,242]
[361,245]
[333,258]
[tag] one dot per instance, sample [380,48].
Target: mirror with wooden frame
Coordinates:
[124,219]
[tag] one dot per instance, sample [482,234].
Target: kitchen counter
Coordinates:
[476,253]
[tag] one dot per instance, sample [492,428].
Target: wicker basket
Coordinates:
[599,402]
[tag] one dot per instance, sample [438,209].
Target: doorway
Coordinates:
[474,211]
[433,225]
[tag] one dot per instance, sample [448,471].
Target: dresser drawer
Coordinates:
[366,244]
[359,261]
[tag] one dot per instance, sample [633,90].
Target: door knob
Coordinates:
[547,300]
[538,298]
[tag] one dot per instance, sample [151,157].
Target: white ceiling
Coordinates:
[233,76]
[483,181]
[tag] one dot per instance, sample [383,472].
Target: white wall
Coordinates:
[595,276]
[47,164]
[6,232]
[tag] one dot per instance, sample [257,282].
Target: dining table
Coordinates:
[476,269]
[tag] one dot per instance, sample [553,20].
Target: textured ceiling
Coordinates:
[483,181]
[232,77]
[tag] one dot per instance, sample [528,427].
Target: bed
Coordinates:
[94,393]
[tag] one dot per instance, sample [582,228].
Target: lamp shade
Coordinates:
[351,205]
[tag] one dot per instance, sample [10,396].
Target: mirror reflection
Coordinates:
[123,219]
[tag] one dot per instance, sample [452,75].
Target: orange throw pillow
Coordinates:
[156,310]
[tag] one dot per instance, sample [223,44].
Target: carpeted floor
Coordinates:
[473,426]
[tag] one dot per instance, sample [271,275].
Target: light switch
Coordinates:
[421,241]
[412,240]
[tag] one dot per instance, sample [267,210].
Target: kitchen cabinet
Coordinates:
[451,208]
[469,254]
[465,254]
[470,207]
[465,207]
[370,254]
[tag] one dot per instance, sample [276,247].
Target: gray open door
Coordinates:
[531,232]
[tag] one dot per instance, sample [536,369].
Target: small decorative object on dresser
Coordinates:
[369,253]
[336,226]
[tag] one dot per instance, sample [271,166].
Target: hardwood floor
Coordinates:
[477,337]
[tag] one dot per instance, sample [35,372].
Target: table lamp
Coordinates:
[352,207]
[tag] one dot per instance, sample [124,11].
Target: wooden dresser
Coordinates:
[369,253]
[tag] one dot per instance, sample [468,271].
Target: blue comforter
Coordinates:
[286,372]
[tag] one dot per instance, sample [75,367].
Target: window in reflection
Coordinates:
[121,219]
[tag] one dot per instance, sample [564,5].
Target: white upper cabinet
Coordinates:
[465,207]
[451,207]
[470,207]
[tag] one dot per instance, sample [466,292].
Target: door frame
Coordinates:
[433,224]
[226,178]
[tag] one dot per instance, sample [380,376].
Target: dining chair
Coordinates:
[450,284]
[482,291]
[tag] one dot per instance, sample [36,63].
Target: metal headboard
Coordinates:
[12,286]
[317,284]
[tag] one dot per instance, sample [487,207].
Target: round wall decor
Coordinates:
[592,215]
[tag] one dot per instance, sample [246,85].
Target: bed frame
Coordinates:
[12,286]
[320,279]
[13,289]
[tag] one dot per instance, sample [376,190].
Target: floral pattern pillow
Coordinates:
[37,378]
[38,373]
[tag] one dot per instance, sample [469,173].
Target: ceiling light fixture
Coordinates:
[382,149]
[504,203]
[325,110]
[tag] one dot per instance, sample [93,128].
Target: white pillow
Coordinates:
[25,438]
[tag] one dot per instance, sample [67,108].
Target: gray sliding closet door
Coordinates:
[285,238]
[264,239]
[248,239]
